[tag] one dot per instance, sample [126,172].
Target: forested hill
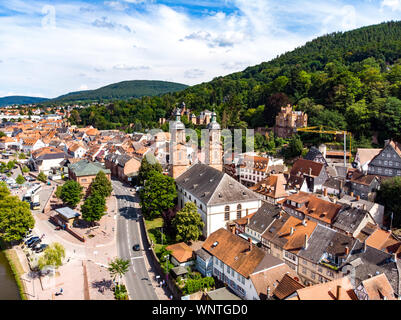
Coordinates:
[11,100]
[346,80]
[122,90]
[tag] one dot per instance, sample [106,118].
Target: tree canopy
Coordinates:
[146,168]
[93,208]
[158,195]
[101,185]
[52,256]
[71,193]
[188,223]
[389,195]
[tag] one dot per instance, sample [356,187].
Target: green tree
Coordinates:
[71,193]
[25,169]
[294,148]
[188,223]
[15,217]
[146,168]
[158,194]
[389,195]
[42,177]
[52,256]
[10,164]
[93,208]
[20,179]
[118,268]
[101,185]
[358,118]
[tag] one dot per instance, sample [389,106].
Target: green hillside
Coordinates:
[346,80]
[12,100]
[122,90]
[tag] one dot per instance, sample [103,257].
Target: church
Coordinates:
[220,199]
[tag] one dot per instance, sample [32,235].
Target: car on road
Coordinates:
[136,247]
[30,240]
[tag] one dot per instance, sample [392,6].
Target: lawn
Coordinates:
[153,229]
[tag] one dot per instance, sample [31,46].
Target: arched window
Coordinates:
[227,213]
[239,207]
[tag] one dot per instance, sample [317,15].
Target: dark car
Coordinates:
[30,240]
[136,247]
[42,247]
[34,243]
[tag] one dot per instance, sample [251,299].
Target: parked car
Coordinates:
[42,247]
[136,247]
[30,240]
[34,243]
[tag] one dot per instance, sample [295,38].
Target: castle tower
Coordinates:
[179,161]
[214,150]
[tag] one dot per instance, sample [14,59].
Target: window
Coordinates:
[190,198]
[239,207]
[330,273]
[305,262]
[303,270]
[319,269]
[195,201]
[313,276]
[227,213]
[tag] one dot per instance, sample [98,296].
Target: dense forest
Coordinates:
[11,100]
[345,80]
[121,90]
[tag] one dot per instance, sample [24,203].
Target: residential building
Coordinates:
[307,176]
[272,188]
[245,268]
[123,167]
[375,288]
[45,159]
[364,156]
[181,254]
[316,155]
[363,185]
[84,172]
[387,162]
[253,169]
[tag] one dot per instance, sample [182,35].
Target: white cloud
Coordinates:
[168,43]
[394,5]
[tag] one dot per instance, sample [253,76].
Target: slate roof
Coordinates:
[214,187]
[373,260]
[67,213]
[262,218]
[222,294]
[87,168]
[333,183]
[306,166]
[317,243]
[349,219]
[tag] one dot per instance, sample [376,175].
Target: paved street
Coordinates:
[137,280]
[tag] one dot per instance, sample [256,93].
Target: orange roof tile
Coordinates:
[378,288]
[181,252]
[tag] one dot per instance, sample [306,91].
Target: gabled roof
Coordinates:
[328,291]
[286,287]
[307,167]
[262,218]
[86,168]
[181,252]
[378,288]
[213,187]
[366,155]
[273,186]
[234,252]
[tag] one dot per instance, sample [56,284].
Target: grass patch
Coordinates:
[153,229]
[17,270]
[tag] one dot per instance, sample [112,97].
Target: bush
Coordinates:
[192,285]
[120,292]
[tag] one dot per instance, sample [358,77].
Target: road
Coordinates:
[128,233]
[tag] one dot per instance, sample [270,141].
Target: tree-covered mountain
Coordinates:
[346,80]
[11,100]
[122,90]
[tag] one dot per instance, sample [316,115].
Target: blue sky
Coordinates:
[49,48]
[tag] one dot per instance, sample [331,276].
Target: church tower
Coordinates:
[179,161]
[214,151]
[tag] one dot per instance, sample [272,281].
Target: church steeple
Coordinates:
[214,152]
[179,161]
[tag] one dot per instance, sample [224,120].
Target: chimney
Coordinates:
[304,222]
[325,192]
[394,258]
[310,171]
[358,198]
[292,231]
[233,230]
[250,244]
[364,246]
[352,194]
[347,251]
[249,221]
[306,242]
[338,292]
[268,292]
